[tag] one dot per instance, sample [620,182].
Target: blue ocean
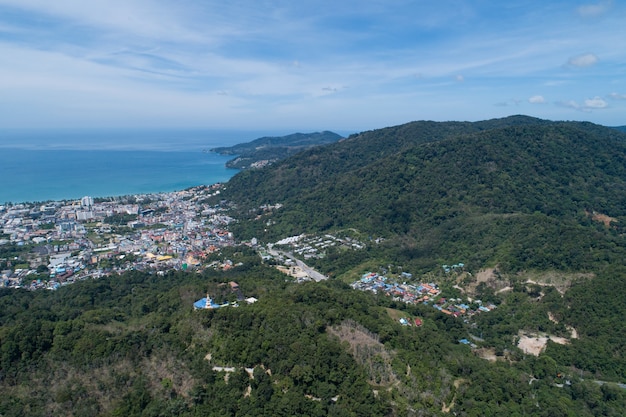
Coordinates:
[42,165]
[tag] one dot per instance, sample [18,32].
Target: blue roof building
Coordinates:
[207,302]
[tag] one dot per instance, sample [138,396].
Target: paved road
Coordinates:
[312,273]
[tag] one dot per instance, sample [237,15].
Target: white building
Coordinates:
[86,202]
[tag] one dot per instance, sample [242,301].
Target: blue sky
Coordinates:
[308,65]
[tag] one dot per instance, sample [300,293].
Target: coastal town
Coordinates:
[51,244]
[57,243]
[46,246]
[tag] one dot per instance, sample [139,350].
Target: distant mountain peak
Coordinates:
[269,149]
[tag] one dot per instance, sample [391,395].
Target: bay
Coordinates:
[37,166]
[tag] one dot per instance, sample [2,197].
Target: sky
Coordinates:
[301,65]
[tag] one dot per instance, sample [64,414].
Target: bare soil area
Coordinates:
[534,344]
[293,271]
[485,275]
[602,218]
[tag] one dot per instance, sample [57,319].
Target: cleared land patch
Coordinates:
[366,348]
[534,344]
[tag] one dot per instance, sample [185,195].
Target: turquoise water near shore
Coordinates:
[64,165]
[60,175]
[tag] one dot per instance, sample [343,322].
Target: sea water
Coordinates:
[37,166]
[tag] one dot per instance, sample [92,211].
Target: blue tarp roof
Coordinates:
[200,303]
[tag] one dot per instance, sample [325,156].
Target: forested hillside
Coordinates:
[305,170]
[133,346]
[518,192]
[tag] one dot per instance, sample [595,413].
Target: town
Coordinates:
[45,246]
[75,240]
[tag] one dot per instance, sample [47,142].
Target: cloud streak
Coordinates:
[582,61]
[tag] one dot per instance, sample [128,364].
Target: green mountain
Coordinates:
[519,192]
[270,149]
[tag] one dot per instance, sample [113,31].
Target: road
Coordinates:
[312,273]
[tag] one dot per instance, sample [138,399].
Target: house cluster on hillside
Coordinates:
[426,293]
[456,307]
[311,246]
[455,267]
[407,321]
[407,293]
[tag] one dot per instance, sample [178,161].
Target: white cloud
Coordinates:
[596,103]
[581,61]
[590,104]
[594,10]
[536,99]
[616,96]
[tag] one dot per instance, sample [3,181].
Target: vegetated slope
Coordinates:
[519,192]
[595,308]
[317,167]
[274,148]
[132,346]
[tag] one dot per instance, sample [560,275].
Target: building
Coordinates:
[86,202]
[207,303]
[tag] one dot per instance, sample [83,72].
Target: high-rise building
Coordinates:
[86,202]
